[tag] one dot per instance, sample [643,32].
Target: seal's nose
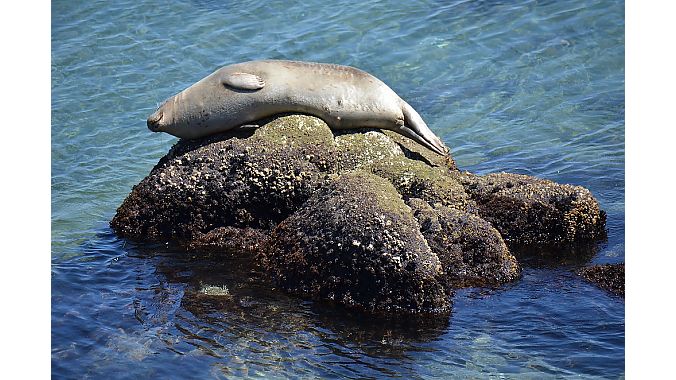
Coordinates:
[154,121]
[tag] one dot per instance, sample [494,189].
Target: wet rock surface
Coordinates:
[609,277]
[367,219]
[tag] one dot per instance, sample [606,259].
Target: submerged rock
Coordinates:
[609,277]
[368,219]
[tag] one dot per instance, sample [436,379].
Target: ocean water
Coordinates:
[532,87]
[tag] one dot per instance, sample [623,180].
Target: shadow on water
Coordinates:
[574,255]
[231,291]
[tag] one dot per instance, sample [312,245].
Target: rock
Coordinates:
[365,218]
[415,179]
[383,154]
[532,211]
[471,251]
[609,277]
[222,181]
[415,151]
[356,242]
[362,150]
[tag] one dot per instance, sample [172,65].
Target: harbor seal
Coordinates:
[239,94]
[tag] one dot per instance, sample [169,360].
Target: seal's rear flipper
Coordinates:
[243,81]
[406,131]
[414,124]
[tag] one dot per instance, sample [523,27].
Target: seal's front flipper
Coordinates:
[243,81]
[415,125]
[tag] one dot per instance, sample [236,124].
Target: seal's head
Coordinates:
[207,107]
[180,115]
[162,119]
[155,121]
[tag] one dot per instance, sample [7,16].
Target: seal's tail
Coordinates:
[416,129]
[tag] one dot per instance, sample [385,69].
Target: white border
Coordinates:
[25,29]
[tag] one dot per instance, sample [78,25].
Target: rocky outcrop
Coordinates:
[609,277]
[368,219]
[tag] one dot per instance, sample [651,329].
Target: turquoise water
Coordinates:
[534,87]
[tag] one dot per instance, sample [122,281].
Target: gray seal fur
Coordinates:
[240,94]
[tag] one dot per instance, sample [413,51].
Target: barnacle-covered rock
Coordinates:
[366,218]
[533,211]
[609,277]
[226,180]
[471,251]
[356,242]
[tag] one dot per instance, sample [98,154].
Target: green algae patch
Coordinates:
[380,191]
[378,153]
[415,179]
[362,150]
[295,131]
